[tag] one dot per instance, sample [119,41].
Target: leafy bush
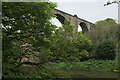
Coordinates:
[84,54]
[106,50]
[68,46]
[91,64]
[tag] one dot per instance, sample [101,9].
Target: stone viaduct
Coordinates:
[85,25]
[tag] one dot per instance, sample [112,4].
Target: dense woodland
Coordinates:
[28,32]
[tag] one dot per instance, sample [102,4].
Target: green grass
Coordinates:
[97,65]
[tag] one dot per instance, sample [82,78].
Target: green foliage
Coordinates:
[27,30]
[83,42]
[106,49]
[84,54]
[103,30]
[25,27]
[91,64]
[68,45]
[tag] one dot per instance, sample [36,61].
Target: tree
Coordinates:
[103,29]
[118,52]
[109,3]
[68,48]
[24,24]
[106,50]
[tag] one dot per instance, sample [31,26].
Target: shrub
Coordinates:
[106,50]
[84,55]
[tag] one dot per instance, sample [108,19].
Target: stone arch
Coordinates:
[84,27]
[60,18]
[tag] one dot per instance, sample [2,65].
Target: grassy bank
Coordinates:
[97,65]
[87,69]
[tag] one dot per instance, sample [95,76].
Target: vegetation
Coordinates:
[106,50]
[91,64]
[104,37]
[25,30]
[104,29]
[65,47]
[28,33]
[113,2]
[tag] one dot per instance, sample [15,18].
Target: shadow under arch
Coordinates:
[84,27]
[60,18]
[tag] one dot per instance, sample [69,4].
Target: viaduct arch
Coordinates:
[85,25]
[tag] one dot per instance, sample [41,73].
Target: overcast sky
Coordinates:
[90,10]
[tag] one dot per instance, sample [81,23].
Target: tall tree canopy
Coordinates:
[104,36]
[103,29]
[28,32]
[26,25]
